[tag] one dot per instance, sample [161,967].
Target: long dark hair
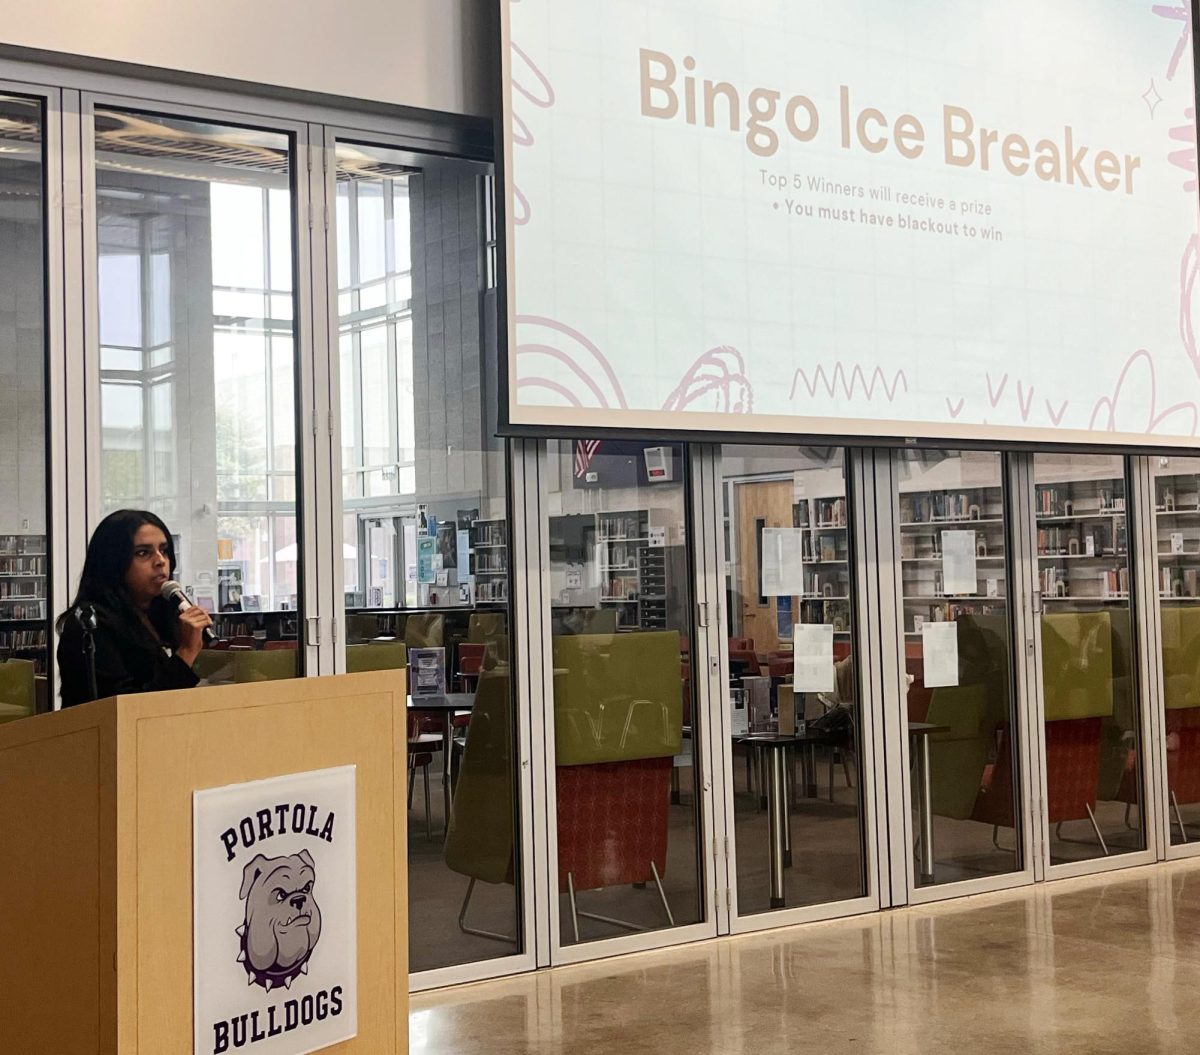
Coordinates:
[109,554]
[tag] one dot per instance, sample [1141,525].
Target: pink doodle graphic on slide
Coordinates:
[558,361]
[1133,404]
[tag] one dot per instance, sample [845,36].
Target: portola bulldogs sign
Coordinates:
[276,961]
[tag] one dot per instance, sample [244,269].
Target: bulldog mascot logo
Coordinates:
[283,920]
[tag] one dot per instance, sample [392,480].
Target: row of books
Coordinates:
[829,513]
[21,640]
[19,588]
[1052,502]
[16,565]
[12,611]
[15,545]
[1178,582]
[924,509]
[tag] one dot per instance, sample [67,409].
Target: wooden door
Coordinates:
[766,503]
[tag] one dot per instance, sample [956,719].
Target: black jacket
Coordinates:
[128,660]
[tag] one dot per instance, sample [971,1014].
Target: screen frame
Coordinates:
[517,421]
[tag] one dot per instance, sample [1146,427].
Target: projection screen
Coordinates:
[925,218]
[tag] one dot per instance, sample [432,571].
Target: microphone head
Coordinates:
[171,591]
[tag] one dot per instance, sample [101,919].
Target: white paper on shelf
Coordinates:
[1176,541]
[812,657]
[782,562]
[958,562]
[939,652]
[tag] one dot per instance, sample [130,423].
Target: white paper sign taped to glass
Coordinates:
[275,914]
[959,574]
[939,651]
[782,562]
[812,657]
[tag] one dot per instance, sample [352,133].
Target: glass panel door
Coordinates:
[424,515]
[25,613]
[197,359]
[1177,543]
[626,772]
[793,694]
[1094,785]
[960,721]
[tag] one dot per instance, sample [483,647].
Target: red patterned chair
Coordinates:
[618,727]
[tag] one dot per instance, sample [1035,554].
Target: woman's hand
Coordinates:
[192,622]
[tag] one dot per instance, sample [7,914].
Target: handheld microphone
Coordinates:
[172,592]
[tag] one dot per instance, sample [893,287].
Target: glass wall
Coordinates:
[793,690]
[626,776]
[1093,758]
[953,552]
[197,368]
[1177,544]
[24,549]
[426,545]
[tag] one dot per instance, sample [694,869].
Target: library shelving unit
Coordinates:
[489,540]
[825,550]
[924,517]
[1082,546]
[1177,518]
[23,598]
[620,540]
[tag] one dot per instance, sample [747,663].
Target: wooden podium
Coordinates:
[96,910]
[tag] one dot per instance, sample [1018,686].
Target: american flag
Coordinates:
[585,452]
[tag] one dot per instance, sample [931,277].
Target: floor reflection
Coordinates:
[1103,964]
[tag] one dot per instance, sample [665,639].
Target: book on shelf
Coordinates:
[935,506]
[1116,582]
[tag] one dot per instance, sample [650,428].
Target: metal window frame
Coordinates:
[557,953]
[55,368]
[905,890]
[866,680]
[1153,675]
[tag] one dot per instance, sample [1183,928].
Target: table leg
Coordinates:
[777,822]
[787,806]
[925,808]
[447,747]
[810,770]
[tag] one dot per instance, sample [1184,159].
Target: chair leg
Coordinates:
[749,771]
[412,779]
[662,894]
[832,752]
[1178,817]
[846,769]
[462,921]
[428,814]
[1096,829]
[574,910]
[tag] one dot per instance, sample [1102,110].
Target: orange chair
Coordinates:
[744,662]
[424,737]
[280,646]
[470,664]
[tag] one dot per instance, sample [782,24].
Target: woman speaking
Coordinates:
[119,626]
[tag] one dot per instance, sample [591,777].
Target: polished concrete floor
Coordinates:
[1100,965]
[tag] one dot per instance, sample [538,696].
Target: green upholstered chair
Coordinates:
[1077,665]
[376,655]
[483,627]
[17,689]
[479,840]
[424,630]
[361,626]
[1181,657]
[959,756]
[617,697]
[264,666]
